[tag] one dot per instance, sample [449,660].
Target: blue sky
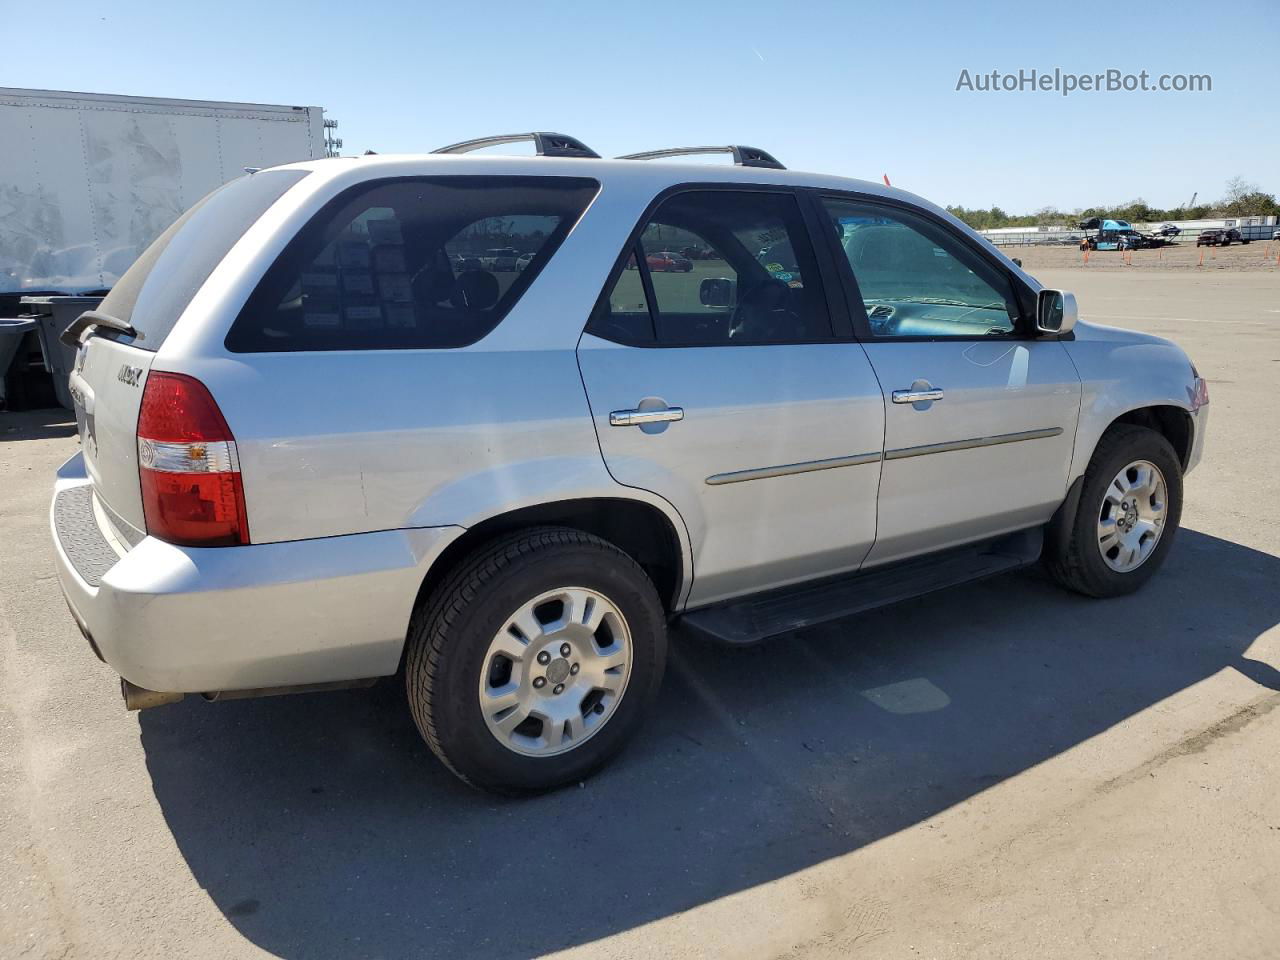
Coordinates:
[856,89]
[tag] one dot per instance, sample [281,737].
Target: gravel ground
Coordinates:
[1000,770]
[1255,257]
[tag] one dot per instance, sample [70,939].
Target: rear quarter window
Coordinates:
[182,257]
[410,263]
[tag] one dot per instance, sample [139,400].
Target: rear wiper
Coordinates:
[92,318]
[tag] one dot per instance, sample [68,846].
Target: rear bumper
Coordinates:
[194,620]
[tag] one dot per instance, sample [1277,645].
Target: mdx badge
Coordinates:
[129,375]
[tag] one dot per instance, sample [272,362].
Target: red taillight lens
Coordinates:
[188,465]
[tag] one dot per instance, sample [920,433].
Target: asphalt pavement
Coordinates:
[999,770]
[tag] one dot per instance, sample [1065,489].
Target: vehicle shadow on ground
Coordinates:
[37,424]
[322,827]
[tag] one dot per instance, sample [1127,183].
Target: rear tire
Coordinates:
[488,684]
[1099,559]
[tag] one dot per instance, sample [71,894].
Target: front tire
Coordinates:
[1129,512]
[536,661]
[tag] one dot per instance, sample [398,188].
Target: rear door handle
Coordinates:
[916,396]
[636,418]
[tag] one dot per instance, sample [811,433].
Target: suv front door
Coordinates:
[980,415]
[773,458]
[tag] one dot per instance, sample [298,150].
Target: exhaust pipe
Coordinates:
[140,698]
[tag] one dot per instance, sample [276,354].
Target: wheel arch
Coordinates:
[1173,423]
[640,529]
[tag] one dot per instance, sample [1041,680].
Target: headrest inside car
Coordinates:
[475,290]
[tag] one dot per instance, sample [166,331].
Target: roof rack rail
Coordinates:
[742,156]
[546,144]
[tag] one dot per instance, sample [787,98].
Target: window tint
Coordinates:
[916,279]
[187,252]
[410,263]
[723,267]
[624,314]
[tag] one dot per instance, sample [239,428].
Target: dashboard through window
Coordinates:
[917,280]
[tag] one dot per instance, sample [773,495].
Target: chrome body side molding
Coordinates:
[786,469]
[925,449]
[858,459]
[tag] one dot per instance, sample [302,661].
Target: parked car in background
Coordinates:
[698,253]
[1275,235]
[310,459]
[523,261]
[501,259]
[1143,241]
[669,262]
[1219,237]
[1169,230]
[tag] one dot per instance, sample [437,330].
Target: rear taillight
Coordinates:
[188,465]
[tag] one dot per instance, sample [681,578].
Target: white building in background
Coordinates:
[89,180]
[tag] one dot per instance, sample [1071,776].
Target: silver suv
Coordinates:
[324,441]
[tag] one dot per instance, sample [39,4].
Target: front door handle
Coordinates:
[638,418]
[917,396]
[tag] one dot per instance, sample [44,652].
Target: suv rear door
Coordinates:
[773,456]
[111,369]
[981,416]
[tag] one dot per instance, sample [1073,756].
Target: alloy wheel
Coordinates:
[1132,516]
[556,671]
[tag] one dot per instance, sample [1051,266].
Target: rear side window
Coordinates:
[184,255]
[410,263]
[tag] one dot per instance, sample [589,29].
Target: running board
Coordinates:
[755,618]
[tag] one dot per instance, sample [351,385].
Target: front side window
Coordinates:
[718,267]
[422,262]
[916,279]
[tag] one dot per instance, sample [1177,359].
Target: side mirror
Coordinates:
[1017,261]
[716,292]
[1056,312]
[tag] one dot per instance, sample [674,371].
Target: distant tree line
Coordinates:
[1242,199]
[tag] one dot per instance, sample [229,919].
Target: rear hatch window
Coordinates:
[414,262]
[185,254]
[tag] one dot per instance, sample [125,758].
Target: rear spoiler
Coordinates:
[92,318]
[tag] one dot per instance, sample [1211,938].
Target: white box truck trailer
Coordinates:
[88,180]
